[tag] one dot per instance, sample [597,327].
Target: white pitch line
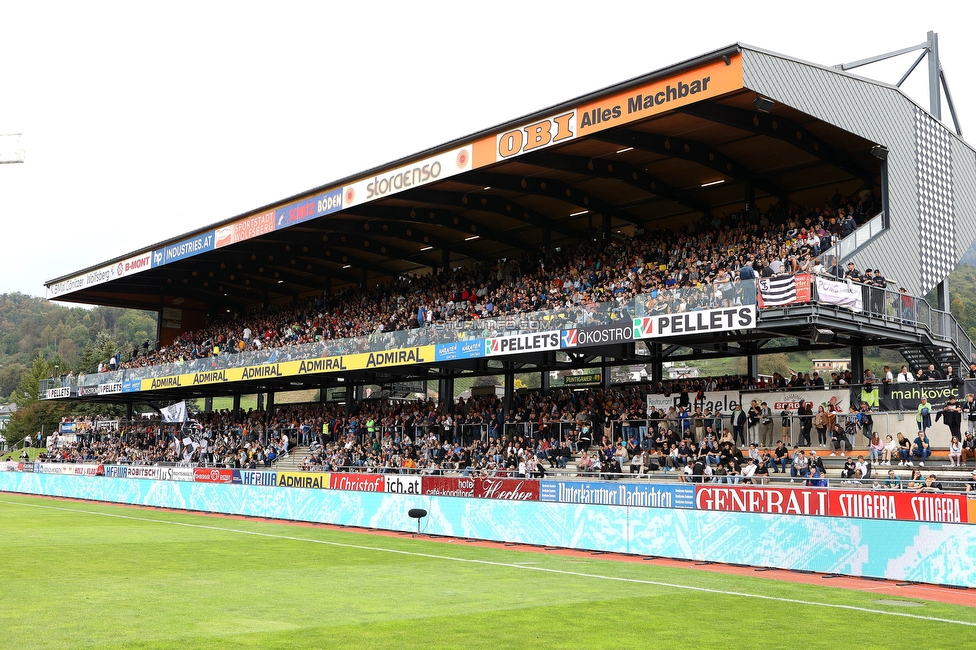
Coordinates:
[505,564]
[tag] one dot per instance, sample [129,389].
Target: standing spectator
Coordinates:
[850,426]
[820,422]
[739,420]
[805,414]
[766,425]
[924,415]
[951,414]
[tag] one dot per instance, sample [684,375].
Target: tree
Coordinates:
[10,378]
[30,384]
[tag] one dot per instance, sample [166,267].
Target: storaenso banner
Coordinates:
[907,397]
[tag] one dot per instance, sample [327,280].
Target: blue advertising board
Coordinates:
[183,249]
[473,349]
[306,209]
[610,493]
[255,477]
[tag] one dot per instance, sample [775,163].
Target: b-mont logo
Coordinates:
[643,327]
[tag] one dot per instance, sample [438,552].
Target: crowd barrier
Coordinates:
[772,531]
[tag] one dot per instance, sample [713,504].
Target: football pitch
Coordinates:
[82,575]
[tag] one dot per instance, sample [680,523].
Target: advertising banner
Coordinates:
[110,389]
[414,174]
[116,471]
[83,281]
[778,401]
[784,289]
[506,488]
[907,396]
[176,474]
[585,337]
[255,477]
[358,482]
[402,484]
[213,475]
[704,321]
[844,293]
[619,494]
[316,480]
[259,224]
[58,393]
[311,208]
[142,471]
[448,486]
[133,265]
[359,361]
[88,391]
[522,343]
[473,349]
[769,500]
[187,248]
[910,506]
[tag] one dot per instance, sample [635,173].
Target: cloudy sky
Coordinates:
[143,121]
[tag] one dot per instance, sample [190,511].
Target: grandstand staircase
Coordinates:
[293,461]
[921,356]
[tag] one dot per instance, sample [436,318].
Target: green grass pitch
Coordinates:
[86,575]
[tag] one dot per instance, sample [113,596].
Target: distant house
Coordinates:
[827,366]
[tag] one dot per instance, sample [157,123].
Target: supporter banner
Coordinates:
[769,500]
[303,480]
[584,337]
[357,482]
[448,486]
[843,293]
[177,474]
[414,174]
[259,224]
[910,506]
[784,290]
[619,494]
[907,397]
[359,361]
[311,208]
[506,488]
[116,471]
[778,401]
[183,249]
[255,477]
[521,343]
[402,484]
[141,471]
[473,349]
[58,393]
[110,389]
[705,321]
[210,475]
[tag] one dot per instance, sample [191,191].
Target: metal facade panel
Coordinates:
[884,115]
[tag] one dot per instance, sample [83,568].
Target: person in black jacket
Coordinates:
[951,414]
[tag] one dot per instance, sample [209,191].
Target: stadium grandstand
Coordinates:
[739,204]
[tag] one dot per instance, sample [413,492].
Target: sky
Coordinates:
[145,121]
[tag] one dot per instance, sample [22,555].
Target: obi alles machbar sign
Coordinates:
[704,321]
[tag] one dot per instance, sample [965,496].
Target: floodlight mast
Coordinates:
[11,150]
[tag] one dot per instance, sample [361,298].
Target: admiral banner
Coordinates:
[522,343]
[584,337]
[358,482]
[359,361]
[768,500]
[704,321]
[618,494]
[316,480]
[908,506]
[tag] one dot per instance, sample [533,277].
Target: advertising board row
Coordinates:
[815,501]
[662,94]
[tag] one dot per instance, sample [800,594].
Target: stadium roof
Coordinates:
[657,150]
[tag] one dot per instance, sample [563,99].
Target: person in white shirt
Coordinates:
[904,377]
